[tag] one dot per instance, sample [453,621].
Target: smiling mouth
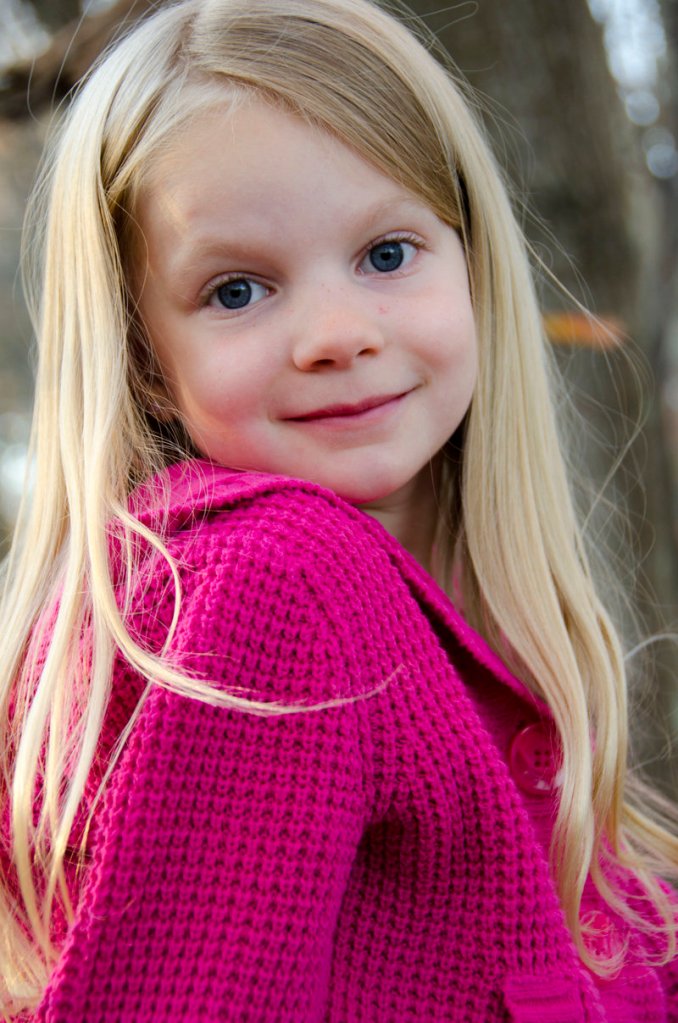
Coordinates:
[361,408]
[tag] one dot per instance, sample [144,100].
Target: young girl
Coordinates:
[292,401]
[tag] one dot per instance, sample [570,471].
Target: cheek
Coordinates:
[448,334]
[464,348]
[453,363]
[204,392]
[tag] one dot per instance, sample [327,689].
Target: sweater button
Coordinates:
[533,759]
[601,937]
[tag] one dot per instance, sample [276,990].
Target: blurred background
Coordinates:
[581,100]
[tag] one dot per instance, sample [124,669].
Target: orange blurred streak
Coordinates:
[583,330]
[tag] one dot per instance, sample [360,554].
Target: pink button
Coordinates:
[534,759]
[601,936]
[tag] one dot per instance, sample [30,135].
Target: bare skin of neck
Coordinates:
[411,515]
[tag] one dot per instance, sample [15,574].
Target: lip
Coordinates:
[348,411]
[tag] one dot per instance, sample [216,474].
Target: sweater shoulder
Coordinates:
[292,528]
[251,527]
[287,591]
[187,493]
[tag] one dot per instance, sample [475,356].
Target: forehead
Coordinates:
[242,129]
[250,162]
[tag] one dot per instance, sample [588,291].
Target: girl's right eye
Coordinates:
[237,293]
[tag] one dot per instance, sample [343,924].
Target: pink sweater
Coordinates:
[379,862]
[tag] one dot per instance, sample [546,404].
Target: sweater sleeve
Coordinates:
[668,974]
[225,840]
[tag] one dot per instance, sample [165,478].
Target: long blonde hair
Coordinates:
[360,74]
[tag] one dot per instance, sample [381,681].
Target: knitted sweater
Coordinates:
[380,861]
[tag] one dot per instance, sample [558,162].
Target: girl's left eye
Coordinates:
[237,293]
[388,256]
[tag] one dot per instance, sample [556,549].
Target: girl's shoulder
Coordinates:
[197,506]
[278,577]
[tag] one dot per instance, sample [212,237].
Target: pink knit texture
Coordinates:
[369,863]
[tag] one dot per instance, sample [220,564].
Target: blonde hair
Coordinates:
[357,72]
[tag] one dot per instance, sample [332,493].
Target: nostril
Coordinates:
[337,356]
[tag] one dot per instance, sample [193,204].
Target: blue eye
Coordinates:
[238,293]
[389,255]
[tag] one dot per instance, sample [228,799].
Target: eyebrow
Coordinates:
[398,207]
[210,245]
[389,207]
[206,247]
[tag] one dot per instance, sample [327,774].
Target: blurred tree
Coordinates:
[55,14]
[32,85]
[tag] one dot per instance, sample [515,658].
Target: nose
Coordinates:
[333,330]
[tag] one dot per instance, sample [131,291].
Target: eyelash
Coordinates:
[229,279]
[397,238]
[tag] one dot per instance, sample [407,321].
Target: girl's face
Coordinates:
[311,316]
